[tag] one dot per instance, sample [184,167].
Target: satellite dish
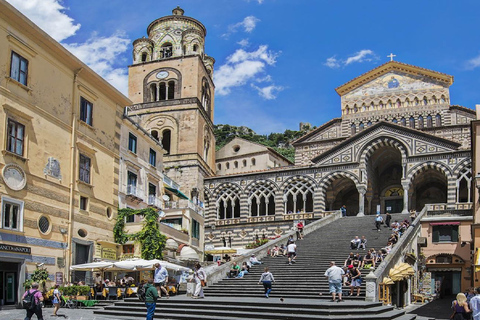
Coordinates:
[165,197]
[161,213]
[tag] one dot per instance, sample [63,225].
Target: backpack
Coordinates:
[28,301]
[141,293]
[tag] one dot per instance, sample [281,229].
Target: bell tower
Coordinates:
[170,83]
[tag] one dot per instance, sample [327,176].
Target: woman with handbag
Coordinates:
[200,277]
[460,308]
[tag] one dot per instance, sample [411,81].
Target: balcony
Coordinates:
[153,201]
[184,204]
[133,193]
[449,210]
[169,182]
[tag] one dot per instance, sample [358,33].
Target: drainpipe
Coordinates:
[73,152]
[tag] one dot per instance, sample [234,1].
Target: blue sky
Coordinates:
[278,62]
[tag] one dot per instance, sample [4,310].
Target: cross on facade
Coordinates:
[391,55]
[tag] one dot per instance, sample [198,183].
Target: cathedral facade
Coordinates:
[398,145]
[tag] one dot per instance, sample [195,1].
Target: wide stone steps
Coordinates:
[260,309]
[298,285]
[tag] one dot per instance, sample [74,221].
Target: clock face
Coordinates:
[162,74]
[14,177]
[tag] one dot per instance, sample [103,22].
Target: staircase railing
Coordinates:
[217,273]
[374,278]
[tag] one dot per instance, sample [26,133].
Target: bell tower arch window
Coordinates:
[171,90]
[438,120]
[206,96]
[167,50]
[166,139]
[154,134]
[144,57]
[411,122]
[420,122]
[429,121]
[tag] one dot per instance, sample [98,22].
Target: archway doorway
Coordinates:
[429,186]
[342,191]
[384,169]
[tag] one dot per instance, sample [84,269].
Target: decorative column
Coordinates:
[361,200]
[406,187]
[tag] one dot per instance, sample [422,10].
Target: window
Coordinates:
[154,134]
[219,166]
[167,50]
[403,121]
[171,90]
[361,126]
[166,139]
[15,136]
[131,183]
[19,68]
[44,224]
[244,163]
[254,161]
[132,143]
[438,120]
[235,164]
[12,214]
[227,165]
[420,122]
[128,249]
[411,122]
[144,57]
[445,233]
[83,203]
[429,121]
[153,157]
[86,111]
[84,169]
[353,129]
[130,218]
[195,229]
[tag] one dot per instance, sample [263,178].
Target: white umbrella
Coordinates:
[100,265]
[130,264]
[150,264]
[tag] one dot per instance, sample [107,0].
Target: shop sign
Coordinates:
[109,253]
[10,248]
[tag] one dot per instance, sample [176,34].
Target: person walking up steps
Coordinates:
[267,279]
[292,252]
[335,275]
[151,296]
[378,221]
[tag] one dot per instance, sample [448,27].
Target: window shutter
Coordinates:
[454,234]
[435,235]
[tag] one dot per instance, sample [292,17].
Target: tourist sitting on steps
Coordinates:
[254,260]
[355,243]
[234,270]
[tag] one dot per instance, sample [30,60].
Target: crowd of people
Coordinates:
[467,305]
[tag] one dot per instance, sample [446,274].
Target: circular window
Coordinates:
[109,213]
[82,233]
[236,148]
[44,224]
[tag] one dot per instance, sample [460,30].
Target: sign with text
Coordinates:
[18,249]
[59,278]
[109,253]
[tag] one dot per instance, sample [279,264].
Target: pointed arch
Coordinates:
[378,143]
[298,194]
[227,201]
[261,198]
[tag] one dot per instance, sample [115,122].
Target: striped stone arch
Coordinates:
[209,208]
[326,181]
[464,164]
[261,198]
[227,200]
[376,144]
[298,193]
[416,170]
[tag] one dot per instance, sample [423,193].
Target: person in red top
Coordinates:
[37,310]
[299,230]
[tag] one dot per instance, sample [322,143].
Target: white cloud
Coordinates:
[269,92]
[243,67]
[49,15]
[243,43]
[473,63]
[332,62]
[101,54]
[360,56]
[248,24]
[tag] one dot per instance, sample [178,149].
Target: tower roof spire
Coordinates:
[178,11]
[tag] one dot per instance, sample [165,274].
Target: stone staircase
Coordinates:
[299,285]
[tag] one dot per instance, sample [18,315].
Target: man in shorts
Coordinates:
[335,275]
[291,252]
[160,278]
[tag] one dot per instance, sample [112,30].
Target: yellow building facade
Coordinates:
[59,159]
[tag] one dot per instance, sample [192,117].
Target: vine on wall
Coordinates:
[150,238]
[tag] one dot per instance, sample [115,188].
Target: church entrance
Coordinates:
[394,206]
[342,191]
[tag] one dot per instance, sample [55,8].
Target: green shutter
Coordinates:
[435,234]
[454,233]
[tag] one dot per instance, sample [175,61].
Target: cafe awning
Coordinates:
[177,192]
[446,223]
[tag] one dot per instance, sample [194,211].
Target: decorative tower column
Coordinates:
[406,187]
[361,200]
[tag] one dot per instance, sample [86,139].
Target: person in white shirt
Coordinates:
[475,305]
[291,252]
[335,275]
[160,278]
[254,260]
[354,243]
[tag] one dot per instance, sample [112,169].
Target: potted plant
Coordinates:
[82,292]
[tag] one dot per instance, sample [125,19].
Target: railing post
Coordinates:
[371,289]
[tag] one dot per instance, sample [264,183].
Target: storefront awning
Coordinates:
[447,223]
[177,192]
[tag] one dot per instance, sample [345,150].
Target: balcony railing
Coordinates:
[154,201]
[171,183]
[463,209]
[183,204]
[132,190]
